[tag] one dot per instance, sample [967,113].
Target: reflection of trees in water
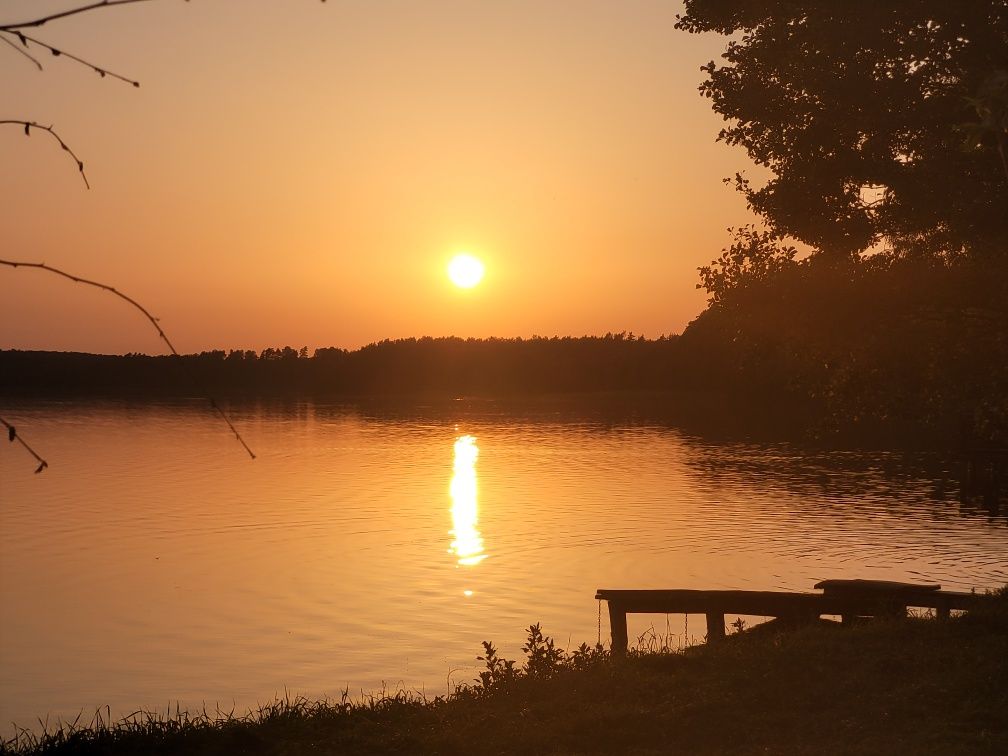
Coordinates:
[840,481]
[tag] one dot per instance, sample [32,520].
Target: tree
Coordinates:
[884,130]
[881,123]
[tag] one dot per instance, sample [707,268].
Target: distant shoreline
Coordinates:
[692,381]
[444,366]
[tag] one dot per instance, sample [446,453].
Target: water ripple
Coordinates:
[188,573]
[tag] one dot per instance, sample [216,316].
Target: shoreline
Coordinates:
[915,685]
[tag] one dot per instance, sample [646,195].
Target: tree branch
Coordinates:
[69,12]
[16,30]
[29,125]
[18,50]
[56,52]
[12,435]
[151,318]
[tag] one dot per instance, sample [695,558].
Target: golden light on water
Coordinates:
[465,271]
[468,543]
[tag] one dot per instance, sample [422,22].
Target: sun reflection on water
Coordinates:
[468,543]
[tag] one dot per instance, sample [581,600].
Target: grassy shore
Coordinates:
[914,686]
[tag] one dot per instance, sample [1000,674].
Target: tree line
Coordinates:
[448,367]
[878,359]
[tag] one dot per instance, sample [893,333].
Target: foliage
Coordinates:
[543,660]
[901,344]
[991,128]
[857,108]
[499,673]
[754,257]
[883,128]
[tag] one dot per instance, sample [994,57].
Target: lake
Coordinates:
[154,563]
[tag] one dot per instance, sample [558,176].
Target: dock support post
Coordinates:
[618,628]
[715,627]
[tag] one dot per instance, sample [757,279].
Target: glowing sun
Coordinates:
[465,271]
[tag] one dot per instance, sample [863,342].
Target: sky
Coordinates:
[298,173]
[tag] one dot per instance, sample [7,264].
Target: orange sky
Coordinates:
[298,173]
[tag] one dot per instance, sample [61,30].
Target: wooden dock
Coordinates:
[848,599]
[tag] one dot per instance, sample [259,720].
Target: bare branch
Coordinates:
[13,435]
[18,50]
[16,30]
[29,125]
[69,12]
[56,52]
[151,318]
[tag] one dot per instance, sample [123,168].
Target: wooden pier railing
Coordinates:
[849,599]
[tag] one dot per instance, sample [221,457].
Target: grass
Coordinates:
[914,686]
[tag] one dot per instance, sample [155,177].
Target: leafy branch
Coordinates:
[146,313]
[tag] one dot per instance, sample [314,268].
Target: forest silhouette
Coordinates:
[880,349]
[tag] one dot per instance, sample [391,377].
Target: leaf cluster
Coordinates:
[755,257]
[543,660]
[858,109]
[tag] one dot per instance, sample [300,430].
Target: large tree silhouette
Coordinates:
[882,124]
[884,130]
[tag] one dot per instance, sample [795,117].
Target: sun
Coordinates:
[465,271]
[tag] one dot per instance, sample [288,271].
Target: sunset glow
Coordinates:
[340,340]
[359,157]
[465,271]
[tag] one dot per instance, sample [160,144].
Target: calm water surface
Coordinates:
[153,563]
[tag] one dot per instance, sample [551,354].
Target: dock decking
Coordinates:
[849,599]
